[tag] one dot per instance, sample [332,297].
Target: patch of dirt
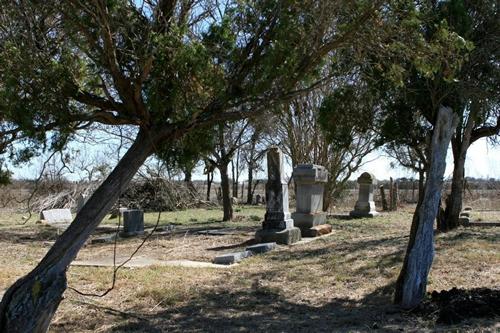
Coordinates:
[455,305]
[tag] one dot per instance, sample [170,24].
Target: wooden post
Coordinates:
[395,195]
[391,193]
[382,196]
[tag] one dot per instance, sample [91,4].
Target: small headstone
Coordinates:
[261,248]
[310,180]
[258,199]
[231,258]
[133,223]
[277,226]
[464,220]
[365,206]
[56,215]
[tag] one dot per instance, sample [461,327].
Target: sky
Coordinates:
[483,161]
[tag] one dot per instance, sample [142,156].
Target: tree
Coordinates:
[185,154]
[253,152]
[166,68]
[409,71]
[230,137]
[477,98]
[312,129]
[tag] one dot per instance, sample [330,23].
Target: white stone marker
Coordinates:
[365,206]
[310,181]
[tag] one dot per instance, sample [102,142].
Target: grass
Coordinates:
[339,283]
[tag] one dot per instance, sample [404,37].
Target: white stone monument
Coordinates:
[365,206]
[310,182]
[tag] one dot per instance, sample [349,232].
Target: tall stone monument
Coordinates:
[365,206]
[277,226]
[310,182]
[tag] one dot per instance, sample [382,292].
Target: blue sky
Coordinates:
[483,161]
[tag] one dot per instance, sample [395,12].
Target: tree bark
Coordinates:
[188,179]
[250,182]
[210,178]
[226,197]
[327,196]
[460,145]
[30,303]
[412,281]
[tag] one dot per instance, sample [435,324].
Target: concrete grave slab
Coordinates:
[261,248]
[139,262]
[56,216]
[232,258]
[484,224]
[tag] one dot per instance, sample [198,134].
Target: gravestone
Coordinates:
[365,206]
[133,223]
[56,215]
[277,226]
[258,199]
[310,182]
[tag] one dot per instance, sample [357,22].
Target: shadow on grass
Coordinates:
[457,237]
[29,235]
[264,310]
[234,246]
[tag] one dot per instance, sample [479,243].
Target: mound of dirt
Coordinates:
[453,306]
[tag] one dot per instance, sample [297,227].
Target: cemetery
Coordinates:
[249,166]
[193,272]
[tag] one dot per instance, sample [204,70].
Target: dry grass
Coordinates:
[339,283]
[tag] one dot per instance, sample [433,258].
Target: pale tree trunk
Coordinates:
[460,146]
[226,198]
[30,303]
[412,281]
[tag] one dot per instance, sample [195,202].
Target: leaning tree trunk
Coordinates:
[454,201]
[412,280]
[30,303]
[226,197]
